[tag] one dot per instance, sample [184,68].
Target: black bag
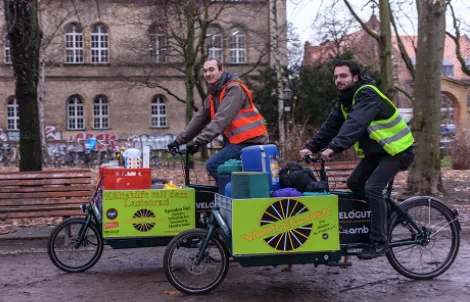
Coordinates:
[303,180]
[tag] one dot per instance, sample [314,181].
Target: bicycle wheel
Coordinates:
[440,243]
[182,271]
[61,246]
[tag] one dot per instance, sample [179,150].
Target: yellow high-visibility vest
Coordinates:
[393,134]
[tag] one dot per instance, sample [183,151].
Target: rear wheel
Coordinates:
[439,243]
[182,269]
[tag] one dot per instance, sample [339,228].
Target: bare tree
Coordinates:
[23,31]
[384,40]
[184,46]
[425,174]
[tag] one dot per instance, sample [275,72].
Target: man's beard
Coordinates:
[345,87]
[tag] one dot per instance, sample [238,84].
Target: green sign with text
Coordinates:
[285,225]
[148,213]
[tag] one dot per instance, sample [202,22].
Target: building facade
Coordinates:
[116,69]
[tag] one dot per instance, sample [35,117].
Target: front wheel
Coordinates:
[182,269]
[440,240]
[70,253]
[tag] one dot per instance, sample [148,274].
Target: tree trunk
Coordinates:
[385,46]
[425,173]
[21,18]
[42,90]
[275,51]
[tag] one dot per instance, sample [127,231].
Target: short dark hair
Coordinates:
[220,65]
[353,66]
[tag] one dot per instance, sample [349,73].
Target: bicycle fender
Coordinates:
[453,211]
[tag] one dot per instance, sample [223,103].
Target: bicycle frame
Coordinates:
[90,213]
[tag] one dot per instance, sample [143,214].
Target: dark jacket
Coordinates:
[340,134]
[207,129]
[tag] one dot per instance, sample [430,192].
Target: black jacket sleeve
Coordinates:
[328,130]
[359,118]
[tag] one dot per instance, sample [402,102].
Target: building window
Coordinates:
[75,117]
[237,46]
[448,71]
[7,51]
[214,43]
[74,44]
[99,45]
[158,112]
[101,112]
[159,47]
[13,118]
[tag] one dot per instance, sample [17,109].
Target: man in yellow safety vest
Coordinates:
[364,117]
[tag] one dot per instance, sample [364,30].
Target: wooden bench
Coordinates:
[43,193]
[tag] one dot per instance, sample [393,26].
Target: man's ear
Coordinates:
[355,78]
[222,69]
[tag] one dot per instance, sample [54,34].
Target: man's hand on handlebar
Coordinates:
[304,152]
[327,154]
[173,147]
[191,149]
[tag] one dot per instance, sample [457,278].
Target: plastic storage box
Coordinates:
[127,179]
[262,158]
[225,206]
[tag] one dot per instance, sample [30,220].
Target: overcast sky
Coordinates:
[302,13]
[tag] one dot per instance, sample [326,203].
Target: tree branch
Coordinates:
[404,54]
[405,93]
[372,33]
[456,39]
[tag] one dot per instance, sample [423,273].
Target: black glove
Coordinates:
[173,147]
[191,149]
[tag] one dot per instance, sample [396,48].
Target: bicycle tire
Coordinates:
[53,253]
[431,205]
[188,237]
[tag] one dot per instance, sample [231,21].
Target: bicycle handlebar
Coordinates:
[309,158]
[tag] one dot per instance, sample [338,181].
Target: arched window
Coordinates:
[7,51]
[99,44]
[101,112]
[159,42]
[237,46]
[159,112]
[73,44]
[75,116]
[214,43]
[13,118]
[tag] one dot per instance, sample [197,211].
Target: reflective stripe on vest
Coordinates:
[248,123]
[392,134]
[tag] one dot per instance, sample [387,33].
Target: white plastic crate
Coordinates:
[224,203]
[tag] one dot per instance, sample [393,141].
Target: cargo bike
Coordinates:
[423,236]
[124,213]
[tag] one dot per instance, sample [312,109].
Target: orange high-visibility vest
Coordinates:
[248,123]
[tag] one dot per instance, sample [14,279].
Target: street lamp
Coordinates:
[286,97]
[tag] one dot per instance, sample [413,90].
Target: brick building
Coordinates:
[97,57]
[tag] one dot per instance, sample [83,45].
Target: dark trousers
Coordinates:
[371,176]
[230,151]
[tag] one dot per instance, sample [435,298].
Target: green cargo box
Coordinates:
[281,225]
[148,213]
